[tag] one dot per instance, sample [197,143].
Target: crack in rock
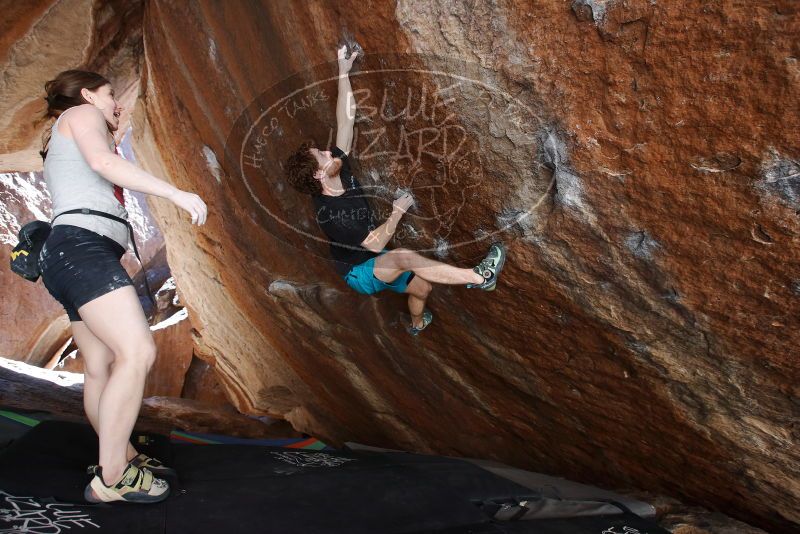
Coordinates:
[212,163]
[568,188]
[641,244]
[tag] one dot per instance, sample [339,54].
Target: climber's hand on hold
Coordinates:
[345,63]
[402,203]
[192,204]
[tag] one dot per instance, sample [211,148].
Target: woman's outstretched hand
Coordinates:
[191,203]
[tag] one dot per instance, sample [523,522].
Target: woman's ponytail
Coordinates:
[64,92]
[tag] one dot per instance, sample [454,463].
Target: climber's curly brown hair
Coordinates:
[300,169]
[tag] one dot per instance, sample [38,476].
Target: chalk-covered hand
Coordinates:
[192,204]
[402,203]
[345,63]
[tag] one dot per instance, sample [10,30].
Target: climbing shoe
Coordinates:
[137,485]
[155,466]
[490,267]
[427,318]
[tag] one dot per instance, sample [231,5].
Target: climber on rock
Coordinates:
[357,244]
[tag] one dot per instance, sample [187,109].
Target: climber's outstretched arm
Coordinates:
[345,103]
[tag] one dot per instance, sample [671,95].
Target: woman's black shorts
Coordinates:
[79,265]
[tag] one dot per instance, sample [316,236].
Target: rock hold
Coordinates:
[781,177]
[641,244]
[586,10]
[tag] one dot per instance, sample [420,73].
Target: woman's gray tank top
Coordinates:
[74,185]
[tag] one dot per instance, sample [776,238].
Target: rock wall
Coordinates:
[645,327]
[33,326]
[43,37]
[639,159]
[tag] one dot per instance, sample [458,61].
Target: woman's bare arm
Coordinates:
[88,128]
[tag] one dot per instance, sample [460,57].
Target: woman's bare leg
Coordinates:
[117,320]
[97,361]
[389,266]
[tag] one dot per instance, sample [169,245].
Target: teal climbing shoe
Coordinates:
[490,267]
[427,318]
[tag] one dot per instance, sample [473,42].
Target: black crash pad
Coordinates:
[240,488]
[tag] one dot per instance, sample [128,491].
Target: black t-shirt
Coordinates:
[346,219]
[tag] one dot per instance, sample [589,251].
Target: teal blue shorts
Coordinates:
[362,279]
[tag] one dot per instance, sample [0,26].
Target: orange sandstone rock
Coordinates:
[646,324]
[640,160]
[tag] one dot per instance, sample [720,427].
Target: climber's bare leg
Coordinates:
[390,265]
[418,290]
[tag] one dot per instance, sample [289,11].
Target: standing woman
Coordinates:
[81,269]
